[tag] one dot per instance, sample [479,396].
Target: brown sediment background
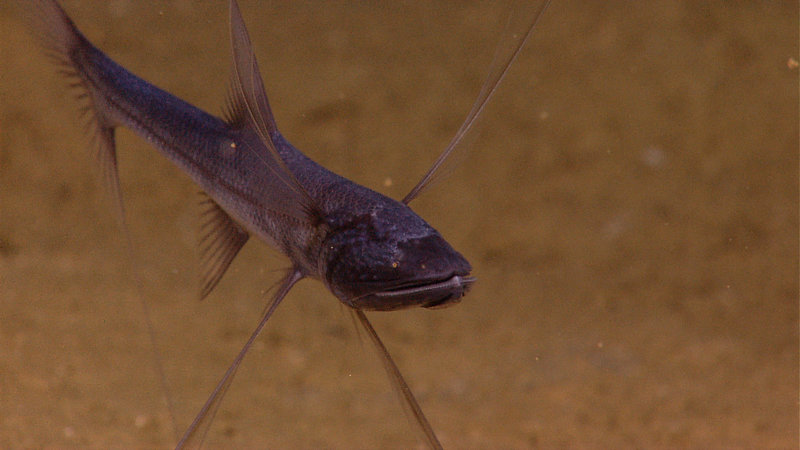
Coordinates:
[630,209]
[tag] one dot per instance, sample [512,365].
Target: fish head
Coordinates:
[391,259]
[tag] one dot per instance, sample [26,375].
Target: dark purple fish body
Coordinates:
[372,252]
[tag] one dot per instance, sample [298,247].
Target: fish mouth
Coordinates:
[432,294]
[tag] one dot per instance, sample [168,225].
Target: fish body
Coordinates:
[373,252]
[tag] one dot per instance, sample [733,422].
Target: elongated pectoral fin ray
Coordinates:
[520,25]
[248,107]
[195,434]
[409,402]
[221,238]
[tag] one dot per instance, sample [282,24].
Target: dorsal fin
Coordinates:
[249,105]
[248,108]
[221,238]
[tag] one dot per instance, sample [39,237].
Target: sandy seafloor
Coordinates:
[630,210]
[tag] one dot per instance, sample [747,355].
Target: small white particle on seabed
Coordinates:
[141,421]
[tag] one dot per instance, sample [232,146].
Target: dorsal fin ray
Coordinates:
[249,108]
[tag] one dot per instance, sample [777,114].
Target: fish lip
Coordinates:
[426,286]
[417,293]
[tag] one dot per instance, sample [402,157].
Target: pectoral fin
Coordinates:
[221,238]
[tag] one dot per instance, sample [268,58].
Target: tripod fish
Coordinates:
[373,253]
